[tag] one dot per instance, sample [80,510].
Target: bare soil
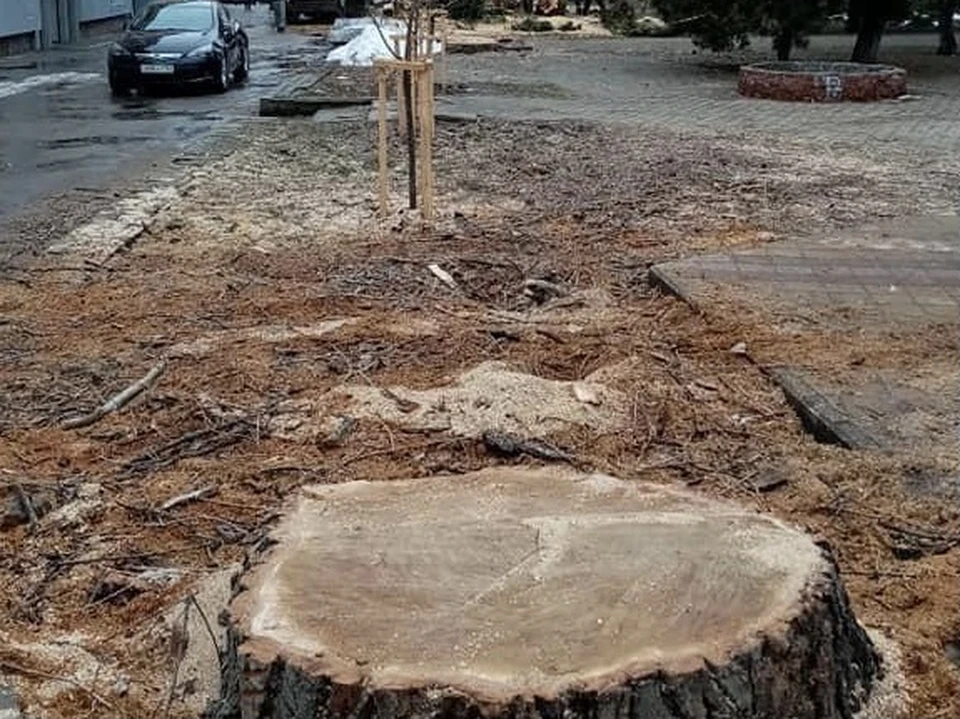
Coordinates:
[281,233]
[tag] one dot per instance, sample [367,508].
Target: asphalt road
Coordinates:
[60,129]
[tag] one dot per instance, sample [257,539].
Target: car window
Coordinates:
[197,17]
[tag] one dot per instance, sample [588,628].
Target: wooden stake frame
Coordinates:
[422,97]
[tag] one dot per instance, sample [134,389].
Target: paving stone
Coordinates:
[909,275]
[889,283]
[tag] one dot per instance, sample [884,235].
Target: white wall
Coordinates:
[19,16]
[101,9]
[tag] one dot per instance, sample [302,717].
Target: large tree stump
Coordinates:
[543,593]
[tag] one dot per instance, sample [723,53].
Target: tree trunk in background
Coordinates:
[868,37]
[783,44]
[948,39]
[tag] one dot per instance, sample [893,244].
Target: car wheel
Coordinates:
[222,80]
[117,88]
[243,68]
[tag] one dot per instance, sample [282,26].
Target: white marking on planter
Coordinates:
[833,84]
[9,88]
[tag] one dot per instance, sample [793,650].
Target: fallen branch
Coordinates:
[510,445]
[192,444]
[188,497]
[119,400]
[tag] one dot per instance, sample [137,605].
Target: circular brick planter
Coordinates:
[822,81]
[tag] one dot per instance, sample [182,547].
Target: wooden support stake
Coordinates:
[428,165]
[401,100]
[382,141]
[421,138]
[425,111]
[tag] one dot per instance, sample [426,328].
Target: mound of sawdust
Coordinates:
[493,396]
[269,334]
[490,396]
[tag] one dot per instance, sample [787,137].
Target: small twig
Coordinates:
[130,557]
[550,334]
[393,450]
[206,623]
[188,497]
[878,574]
[118,400]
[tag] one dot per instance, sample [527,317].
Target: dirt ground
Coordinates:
[272,294]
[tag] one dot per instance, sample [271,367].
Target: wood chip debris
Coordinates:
[586,394]
[442,275]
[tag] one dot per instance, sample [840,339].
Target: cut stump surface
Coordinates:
[540,592]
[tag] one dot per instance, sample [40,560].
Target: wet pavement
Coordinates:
[62,130]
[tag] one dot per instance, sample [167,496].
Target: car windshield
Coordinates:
[188,16]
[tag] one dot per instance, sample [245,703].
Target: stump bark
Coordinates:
[542,593]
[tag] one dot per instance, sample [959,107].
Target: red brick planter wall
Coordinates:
[822,82]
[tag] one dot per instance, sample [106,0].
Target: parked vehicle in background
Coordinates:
[323,11]
[179,42]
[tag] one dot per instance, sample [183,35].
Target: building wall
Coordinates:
[19,17]
[91,10]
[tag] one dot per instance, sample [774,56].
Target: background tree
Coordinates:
[948,38]
[869,18]
[723,25]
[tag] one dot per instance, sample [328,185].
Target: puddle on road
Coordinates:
[10,88]
[149,111]
[84,161]
[69,142]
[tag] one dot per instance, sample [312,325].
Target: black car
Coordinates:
[175,42]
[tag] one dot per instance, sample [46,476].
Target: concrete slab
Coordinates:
[885,275]
[874,409]
[520,582]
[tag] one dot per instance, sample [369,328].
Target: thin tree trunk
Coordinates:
[948,39]
[868,38]
[783,44]
[408,101]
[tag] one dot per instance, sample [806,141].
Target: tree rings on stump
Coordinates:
[543,593]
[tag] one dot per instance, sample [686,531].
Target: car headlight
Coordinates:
[118,49]
[201,51]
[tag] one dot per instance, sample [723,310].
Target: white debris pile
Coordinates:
[344,29]
[370,40]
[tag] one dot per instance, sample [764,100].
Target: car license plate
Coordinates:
[156,69]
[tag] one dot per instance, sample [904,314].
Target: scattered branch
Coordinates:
[188,497]
[118,400]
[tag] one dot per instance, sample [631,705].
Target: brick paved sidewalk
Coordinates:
[658,83]
[902,274]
